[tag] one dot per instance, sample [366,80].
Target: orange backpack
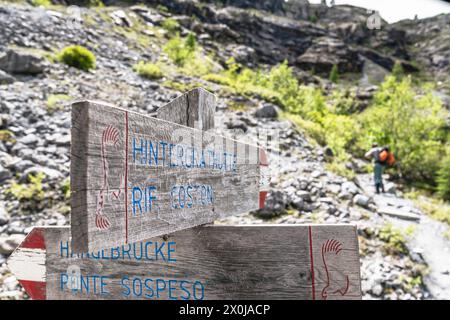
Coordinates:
[386,157]
[391,159]
[383,156]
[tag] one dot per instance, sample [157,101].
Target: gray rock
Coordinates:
[5,174]
[317,173]
[6,78]
[120,18]
[333,188]
[237,125]
[349,187]
[50,174]
[10,243]
[390,188]
[276,203]
[298,203]
[377,290]
[29,139]
[361,200]
[305,195]
[4,216]
[15,61]
[267,110]
[22,165]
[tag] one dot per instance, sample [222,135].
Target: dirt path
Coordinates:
[427,242]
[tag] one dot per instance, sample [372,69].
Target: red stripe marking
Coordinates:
[312,263]
[126,177]
[35,289]
[263,157]
[262,199]
[34,240]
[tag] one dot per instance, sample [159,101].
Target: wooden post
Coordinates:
[194,109]
[307,262]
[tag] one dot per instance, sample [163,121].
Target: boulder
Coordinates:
[120,18]
[349,187]
[361,200]
[18,62]
[236,124]
[267,110]
[390,188]
[5,174]
[6,78]
[276,203]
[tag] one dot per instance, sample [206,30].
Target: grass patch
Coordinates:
[56,102]
[7,136]
[437,209]
[181,86]
[32,191]
[148,70]
[171,26]
[395,243]
[44,3]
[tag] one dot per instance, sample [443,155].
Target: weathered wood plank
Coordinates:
[194,109]
[127,185]
[221,262]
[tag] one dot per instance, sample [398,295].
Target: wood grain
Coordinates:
[102,213]
[194,109]
[231,262]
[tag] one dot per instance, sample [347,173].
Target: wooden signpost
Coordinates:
[315,262]
[135,177]
[141,188]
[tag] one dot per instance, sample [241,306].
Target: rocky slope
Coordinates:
[35,130]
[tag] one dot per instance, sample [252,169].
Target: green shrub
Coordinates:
[171,26]
[217,78]
[313,18]
[179,50]
[191,42]
[162,8]
[55,101]
[148,70]
[395,242]
[44,3]
[334,74]
[32,191]
[443,178]
[78,57]
[343,102]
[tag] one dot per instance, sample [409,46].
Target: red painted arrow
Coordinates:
[27,263]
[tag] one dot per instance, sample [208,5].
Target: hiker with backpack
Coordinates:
[383,157]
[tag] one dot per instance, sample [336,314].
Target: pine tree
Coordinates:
[334,74]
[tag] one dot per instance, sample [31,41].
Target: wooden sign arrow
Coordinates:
[212,262]
[134,177]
